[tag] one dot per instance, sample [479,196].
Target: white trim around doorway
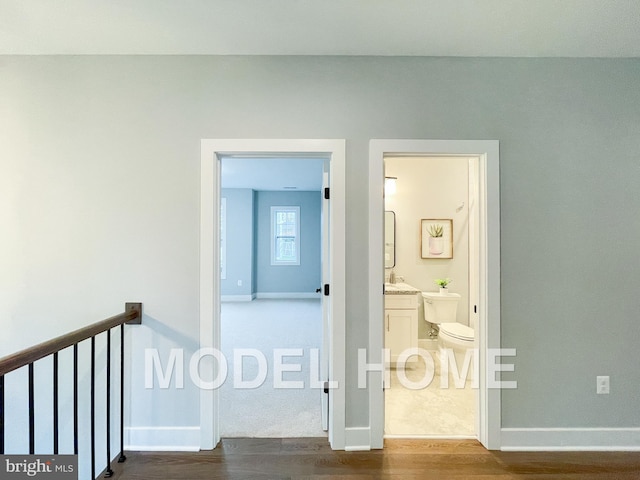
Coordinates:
[211,152]
[488,328]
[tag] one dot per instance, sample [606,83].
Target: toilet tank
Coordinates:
[440,307]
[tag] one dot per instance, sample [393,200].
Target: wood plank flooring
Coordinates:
[312,459]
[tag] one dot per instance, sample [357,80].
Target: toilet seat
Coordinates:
[457,330]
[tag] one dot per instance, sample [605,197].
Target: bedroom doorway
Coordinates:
[333,366]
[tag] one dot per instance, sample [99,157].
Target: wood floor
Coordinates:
[312,459]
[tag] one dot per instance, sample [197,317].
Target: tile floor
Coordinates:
[430,411]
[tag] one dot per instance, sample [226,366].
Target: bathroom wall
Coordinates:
[303,278]
[240,242]
[431,188]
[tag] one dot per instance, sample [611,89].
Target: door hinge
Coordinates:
[326,387]
[326,288]
[326,193]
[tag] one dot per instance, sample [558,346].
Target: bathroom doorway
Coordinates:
[487,329]
[431,219]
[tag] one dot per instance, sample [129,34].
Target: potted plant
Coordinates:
[436,242]
[443,283]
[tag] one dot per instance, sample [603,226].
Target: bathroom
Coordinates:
[441,191]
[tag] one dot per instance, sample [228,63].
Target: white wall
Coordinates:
[99,199]
[431,188]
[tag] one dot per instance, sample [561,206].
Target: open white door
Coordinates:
[326,323]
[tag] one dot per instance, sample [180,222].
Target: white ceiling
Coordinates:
[305,174]
[505,28]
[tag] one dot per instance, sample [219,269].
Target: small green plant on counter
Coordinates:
[442,282]
[436,230]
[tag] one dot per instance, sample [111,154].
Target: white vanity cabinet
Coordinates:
[401,323]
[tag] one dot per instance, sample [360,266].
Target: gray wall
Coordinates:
[305,277]
[240,241]
[99,201]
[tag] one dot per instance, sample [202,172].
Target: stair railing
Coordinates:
[27,358]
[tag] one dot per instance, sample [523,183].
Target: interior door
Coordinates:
[324,364]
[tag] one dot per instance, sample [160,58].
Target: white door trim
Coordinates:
[488,330]
[211,151]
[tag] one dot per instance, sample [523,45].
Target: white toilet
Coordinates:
[441,309]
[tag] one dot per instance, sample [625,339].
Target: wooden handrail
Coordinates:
[131,315]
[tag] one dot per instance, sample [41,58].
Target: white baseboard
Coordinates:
[570,439]
[287,295]
[162,439]
[357,439]
[272,295]
[237,298]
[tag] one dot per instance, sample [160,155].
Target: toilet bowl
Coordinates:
[441,309]
[460,339]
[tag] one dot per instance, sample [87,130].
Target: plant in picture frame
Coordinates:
[437,238]
[436,242]
[436,231]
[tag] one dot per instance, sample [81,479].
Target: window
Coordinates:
[285,235]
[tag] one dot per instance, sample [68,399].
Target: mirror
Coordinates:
[389,239]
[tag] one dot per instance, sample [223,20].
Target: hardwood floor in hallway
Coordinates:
[312,459]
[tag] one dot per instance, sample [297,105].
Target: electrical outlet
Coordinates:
[602,385]
[239,283]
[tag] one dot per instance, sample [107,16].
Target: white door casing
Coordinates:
[211,152]
[488,248]
[326,299]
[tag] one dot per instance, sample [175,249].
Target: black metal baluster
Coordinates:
[32,413]
[1,414]
[93,407]
[55,403]
[122,458]
[28,358]
[75,399]
[109,472]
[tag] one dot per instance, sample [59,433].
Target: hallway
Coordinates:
[312,458]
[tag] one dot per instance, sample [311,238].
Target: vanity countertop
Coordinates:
[399,289]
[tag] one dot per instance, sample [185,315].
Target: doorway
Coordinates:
[271,303]
[212,151]
[438,195]
[488,304]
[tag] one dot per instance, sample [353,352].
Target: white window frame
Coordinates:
[274,260]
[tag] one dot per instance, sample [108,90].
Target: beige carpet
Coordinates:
[268,411]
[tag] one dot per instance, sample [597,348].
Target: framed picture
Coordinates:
[436,239]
